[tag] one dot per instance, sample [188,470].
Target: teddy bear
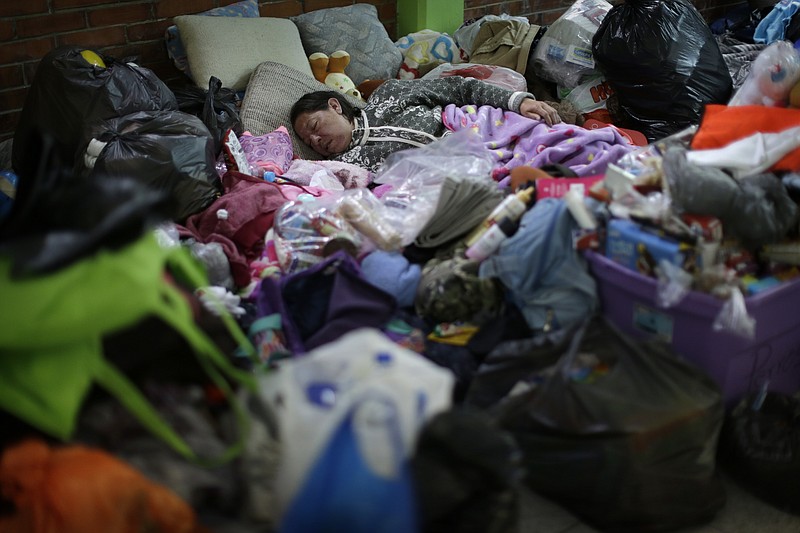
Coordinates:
[330,71]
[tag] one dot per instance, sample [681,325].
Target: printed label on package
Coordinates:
[653,322]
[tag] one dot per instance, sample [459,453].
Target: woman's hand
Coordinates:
[539,111]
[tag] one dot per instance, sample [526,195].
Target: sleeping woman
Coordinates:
[402,114]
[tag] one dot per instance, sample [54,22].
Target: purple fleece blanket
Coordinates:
[515,140]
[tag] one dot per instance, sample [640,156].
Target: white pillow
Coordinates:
[230,48]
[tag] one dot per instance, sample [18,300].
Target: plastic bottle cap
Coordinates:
[526,194]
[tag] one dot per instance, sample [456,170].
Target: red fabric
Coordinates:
[722,125]
[250,203]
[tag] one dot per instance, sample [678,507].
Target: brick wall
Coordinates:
[119,28]
[123,28]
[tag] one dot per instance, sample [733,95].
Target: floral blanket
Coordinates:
[515,140]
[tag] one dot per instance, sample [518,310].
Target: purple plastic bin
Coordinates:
[736,363]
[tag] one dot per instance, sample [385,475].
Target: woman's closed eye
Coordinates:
[312,130]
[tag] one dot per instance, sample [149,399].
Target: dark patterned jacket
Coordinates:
[404,114]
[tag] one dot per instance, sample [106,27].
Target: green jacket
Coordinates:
[51,330]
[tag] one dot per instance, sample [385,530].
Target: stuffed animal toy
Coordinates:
[330,71]
[367,87]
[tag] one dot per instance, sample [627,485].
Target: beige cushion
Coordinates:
[269,97]
[230,48]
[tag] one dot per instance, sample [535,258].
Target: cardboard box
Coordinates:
[736,363]
[558,187]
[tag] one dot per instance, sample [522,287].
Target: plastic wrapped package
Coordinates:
[588,96]
[564,53]
[678,64]
[305,232]
[772,75]
[414,178]
[213,257]
[365,212]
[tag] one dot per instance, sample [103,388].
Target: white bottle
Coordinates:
[512,207]
[581,213]
[490,241]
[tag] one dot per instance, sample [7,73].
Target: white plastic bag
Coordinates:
[348,415]
[564,53]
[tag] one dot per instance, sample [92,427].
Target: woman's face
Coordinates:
[327,131]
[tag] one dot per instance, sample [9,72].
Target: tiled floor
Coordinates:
[743,513]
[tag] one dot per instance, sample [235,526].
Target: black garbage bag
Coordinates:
[68,93]
[169,151]
[621,433]
[467,473]
[760,447]
[217,108]
[663,62]
[58,219]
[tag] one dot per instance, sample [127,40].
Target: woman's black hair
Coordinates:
[317,101]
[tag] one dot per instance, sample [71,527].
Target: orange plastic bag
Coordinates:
[75,489]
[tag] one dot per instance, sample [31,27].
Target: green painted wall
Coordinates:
[439,15]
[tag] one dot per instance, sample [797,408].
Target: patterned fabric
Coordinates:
[268,153]
[424,50]
[175,48]
[402,114]
[357,30]
[738,56]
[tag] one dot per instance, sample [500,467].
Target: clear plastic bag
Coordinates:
[564,54]
[306,232]
[772,75]
[674,283]
[415,178]
[733,317]
[494,74]
[365,212]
